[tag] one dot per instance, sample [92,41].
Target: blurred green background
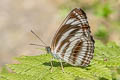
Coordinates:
[18,17]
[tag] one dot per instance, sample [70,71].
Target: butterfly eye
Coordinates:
[48,49]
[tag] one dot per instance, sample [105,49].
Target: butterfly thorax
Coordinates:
[48,49]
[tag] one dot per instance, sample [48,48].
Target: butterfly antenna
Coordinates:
[38,37]
[37,45]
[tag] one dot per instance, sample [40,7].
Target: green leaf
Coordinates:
[101,33]
[4,70]
[38,67]
[102,9]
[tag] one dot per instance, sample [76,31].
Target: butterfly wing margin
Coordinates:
[69,21]
[59,31]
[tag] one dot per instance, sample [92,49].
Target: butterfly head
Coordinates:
[48,49]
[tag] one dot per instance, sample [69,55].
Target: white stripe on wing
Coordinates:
[66,34]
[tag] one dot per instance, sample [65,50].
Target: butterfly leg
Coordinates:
[51,62]
[61,65]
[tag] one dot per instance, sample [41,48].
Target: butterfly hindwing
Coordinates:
[73,42]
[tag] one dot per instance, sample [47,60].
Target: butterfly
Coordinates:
[73,42]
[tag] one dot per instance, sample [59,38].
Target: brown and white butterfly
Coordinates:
[73,42]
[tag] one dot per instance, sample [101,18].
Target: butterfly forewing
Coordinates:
[73,42]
